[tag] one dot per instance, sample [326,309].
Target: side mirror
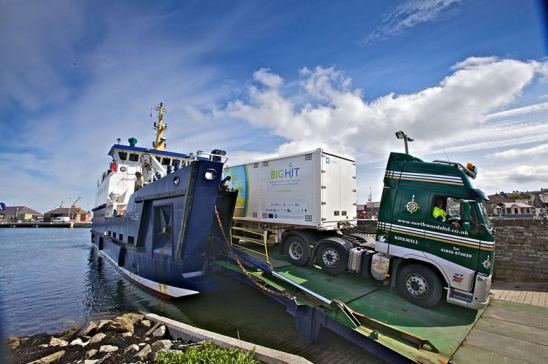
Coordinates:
[466,215]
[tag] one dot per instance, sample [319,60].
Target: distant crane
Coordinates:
[74,203]
[62,204]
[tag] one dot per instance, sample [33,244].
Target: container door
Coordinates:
[330,189]
[348,193]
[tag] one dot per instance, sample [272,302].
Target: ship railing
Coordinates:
[253,241]
[223,158]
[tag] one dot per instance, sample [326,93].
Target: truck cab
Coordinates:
[433,232]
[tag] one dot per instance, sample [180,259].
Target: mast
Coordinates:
[160,127]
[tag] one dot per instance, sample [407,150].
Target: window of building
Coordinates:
[122,155]
[134,157]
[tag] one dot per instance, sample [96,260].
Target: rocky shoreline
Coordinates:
[128,338]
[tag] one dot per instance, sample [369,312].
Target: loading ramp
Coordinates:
[374,317]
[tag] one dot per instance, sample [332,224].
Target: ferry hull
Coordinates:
[174,232]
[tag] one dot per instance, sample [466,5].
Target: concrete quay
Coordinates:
[71,224]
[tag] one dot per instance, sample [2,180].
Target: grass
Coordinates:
[207,353]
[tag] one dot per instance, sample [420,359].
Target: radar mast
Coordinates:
[160,127]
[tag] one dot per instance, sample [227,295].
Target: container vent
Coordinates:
[308,218]
[256,165]
[308,157]
[336,212]
[265,163]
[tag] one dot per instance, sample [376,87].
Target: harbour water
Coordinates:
[52,279]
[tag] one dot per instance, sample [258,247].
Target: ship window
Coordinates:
[121,237]
[176,163]
[166,161]
[163,228]
[134,157]
[130,240]
[122,155]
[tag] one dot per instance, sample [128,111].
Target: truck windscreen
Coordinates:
[484,217]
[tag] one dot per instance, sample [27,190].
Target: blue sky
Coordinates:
[464,78]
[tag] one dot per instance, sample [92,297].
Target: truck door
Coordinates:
[447,237]
[406,230]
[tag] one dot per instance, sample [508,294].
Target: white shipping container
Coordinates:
[313,189]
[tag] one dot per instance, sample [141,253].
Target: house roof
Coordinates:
[65,211]
[515,204]
[12,210]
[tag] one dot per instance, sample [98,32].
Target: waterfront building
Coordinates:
[73,213]
[19,213]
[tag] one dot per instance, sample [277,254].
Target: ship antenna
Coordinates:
[160,127]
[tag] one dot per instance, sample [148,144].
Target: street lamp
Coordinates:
[401,135]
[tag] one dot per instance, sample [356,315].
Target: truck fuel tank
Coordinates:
[380,265]
[359,261]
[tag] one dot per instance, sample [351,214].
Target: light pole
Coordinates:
[401,135]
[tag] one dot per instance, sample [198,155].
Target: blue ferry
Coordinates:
[157,214]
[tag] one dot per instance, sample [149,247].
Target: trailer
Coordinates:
[314,190]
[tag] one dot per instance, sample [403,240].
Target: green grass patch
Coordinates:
[207,353]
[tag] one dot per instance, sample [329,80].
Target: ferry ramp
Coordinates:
[374,317]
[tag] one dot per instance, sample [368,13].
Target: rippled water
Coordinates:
[51,279]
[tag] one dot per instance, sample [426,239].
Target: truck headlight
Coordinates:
[210,174]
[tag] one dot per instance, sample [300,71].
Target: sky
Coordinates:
[468,80]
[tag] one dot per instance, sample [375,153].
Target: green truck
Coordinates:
[419,253]
[422,252]
[432,238]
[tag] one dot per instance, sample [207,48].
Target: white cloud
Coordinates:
[455,116]
[267,78]
[333,114]
[408,15]
[526,110]
[524,178]
[536,151]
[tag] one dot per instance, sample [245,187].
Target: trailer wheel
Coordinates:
[297,250]
[332,258]
[420,285]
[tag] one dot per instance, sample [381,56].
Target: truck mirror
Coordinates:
[466,215]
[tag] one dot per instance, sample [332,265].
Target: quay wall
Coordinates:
[521,249]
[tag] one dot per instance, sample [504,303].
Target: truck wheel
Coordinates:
[297,250]
[419,285]
[332,258]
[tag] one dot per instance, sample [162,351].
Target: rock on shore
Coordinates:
[128,338]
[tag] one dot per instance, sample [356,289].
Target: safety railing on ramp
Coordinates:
[245,239]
